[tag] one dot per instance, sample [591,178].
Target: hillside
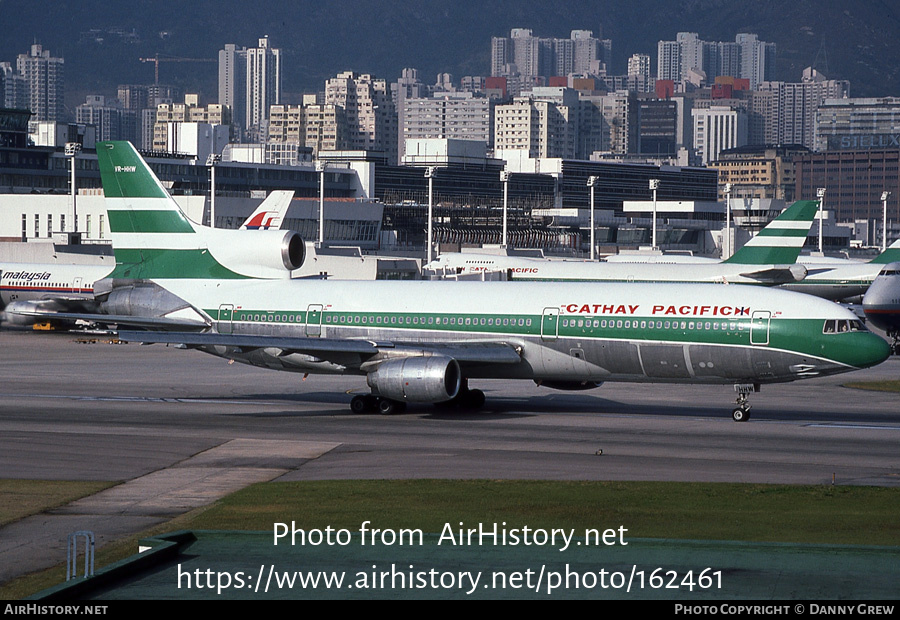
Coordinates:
[102,41]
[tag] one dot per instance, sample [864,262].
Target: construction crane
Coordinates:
[158,59]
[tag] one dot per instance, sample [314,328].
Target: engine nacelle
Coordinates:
[421,379]
[144,299]
[259,253]
[570,386]
[11,315]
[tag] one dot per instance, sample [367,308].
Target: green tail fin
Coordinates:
[890,255]
[152,238]
[780,242]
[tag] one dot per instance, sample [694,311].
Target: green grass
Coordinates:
[701,511]
[691,511]
[23,498]
[877,386]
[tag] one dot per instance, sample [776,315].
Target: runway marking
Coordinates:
[856,426]
[148,399]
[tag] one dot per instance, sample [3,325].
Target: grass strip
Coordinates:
[875,386]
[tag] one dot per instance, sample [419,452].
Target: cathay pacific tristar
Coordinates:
[769,258]
[423,341]
[56,292]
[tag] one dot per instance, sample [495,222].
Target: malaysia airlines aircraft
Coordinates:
[33,292]
[882,303]
[767,259]
[423,341]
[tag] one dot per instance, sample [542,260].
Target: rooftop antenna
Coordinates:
[824,55]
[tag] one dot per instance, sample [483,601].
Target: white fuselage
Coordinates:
[566,331]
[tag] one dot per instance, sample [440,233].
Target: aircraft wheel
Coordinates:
[358,404]
[387,406]
[474,399]
[740,415]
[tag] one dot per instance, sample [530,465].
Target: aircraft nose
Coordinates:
[872,351]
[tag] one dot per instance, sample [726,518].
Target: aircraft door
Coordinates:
[77,284]
[550,324]
[759,327]
[226,316]
[314,320]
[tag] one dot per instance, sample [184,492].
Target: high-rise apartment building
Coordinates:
[535,59]
[263,81]
[112,120]
[794,106]
[542,124]
[718,128]
[188,112]
[45,79]
[457,116]
[747,58]
[859,124]
[13,88]
[370,114]
[233,82]
[318,127]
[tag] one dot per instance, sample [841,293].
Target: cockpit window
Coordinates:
[840,326]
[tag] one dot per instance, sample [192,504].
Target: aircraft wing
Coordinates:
[463,352]
[117,319]
[778,274]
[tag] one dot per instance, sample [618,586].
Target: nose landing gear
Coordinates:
[741,413]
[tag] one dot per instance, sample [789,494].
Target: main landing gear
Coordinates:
[741,413]
[370,403]
[465,398]
[373,403]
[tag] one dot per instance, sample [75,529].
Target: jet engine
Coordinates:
[143,299]
[421,379]
[258,254]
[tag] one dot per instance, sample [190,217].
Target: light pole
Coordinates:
[654,185]
[591,182]
[211,162]
[728,187]
[72,150]
[320,168]
[429,174]
[820,193]
[504,177]
[884,197]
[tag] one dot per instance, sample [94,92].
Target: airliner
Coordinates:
[53,292]
[767,259]
[882,303]
[423,341]
[844,281]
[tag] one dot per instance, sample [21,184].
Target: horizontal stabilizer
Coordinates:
[778,274]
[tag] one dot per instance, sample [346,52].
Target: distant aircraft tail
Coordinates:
[270,212]
[780,242]
[890,255]
[153,239]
